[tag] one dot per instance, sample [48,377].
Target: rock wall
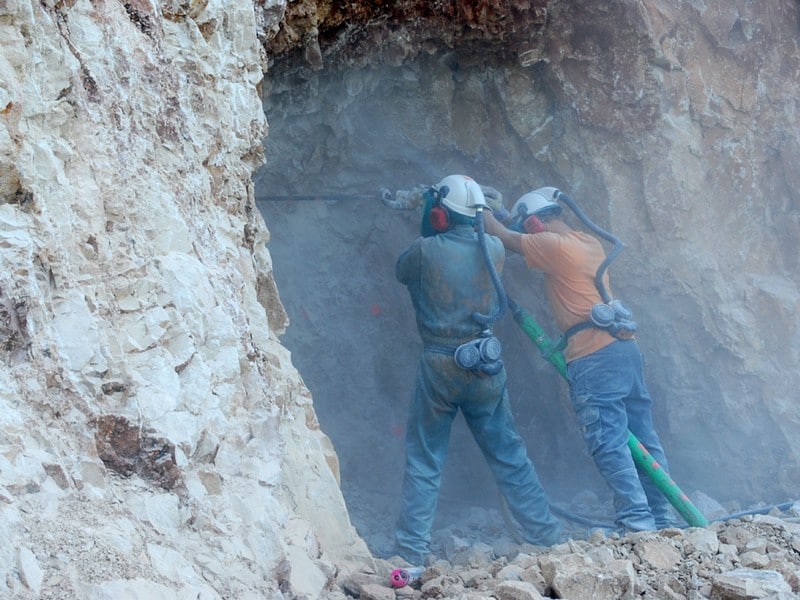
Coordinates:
[691,130]
[155,439]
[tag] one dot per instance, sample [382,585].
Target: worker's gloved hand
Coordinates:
[502,214]
[490,223]
[494,200]
[404,199]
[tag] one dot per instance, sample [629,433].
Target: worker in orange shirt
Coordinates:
[604,363]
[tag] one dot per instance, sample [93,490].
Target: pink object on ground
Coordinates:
[403,577]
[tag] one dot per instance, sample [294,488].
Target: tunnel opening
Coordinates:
[335,139]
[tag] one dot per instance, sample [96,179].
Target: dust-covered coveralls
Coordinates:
[448,281]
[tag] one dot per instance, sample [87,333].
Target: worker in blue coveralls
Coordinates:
[449,281]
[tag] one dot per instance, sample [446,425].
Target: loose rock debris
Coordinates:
[754,556]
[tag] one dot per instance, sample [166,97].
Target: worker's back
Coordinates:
[448,281]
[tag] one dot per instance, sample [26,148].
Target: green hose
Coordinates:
[641,456]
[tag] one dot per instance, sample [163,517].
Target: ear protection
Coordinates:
[438,213]
[531,224]
[534,224]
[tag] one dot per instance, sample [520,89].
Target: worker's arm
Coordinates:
[511,239]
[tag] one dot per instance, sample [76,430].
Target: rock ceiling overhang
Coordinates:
[334,34]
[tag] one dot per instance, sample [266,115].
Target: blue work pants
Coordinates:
[442,389]
[610,398]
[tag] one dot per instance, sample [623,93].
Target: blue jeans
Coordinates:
[442,389]
[610,398]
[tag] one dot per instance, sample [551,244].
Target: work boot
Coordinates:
[665,517]
[630,502]
[409,556]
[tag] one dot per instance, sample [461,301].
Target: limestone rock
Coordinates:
[744,584]
[150,414]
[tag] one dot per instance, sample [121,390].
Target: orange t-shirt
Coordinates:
[569,262]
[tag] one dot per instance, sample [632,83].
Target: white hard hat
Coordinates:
[537,202]
[464,195]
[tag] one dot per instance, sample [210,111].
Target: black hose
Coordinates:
[756,511]
[498,286]
[592,522]
[618,245]
[315,197]
[578,519]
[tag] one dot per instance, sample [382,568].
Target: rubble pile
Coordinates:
[754,556]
